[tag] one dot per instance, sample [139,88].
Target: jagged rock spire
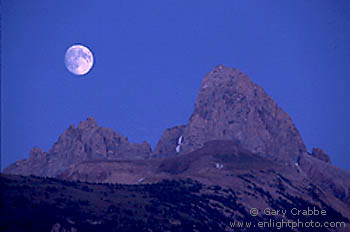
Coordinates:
[86,142]
[230,106]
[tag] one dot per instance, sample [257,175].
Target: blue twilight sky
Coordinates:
[150,58]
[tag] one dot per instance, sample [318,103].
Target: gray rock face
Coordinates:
[320,154]
[169,143]
[86,142]
[35,164]
[230,106]
[327,176]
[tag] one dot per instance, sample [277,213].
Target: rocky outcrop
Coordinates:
[170,143]
[328,177]
[225,163]
[35,164]
[320,154]
[237,138]
[86,142]
[230,106]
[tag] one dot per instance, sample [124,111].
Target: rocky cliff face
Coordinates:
[170,143]
[329,178]
[237,138]
[320,154]
[86,142]
[230,106]
[257,180]
[36,164]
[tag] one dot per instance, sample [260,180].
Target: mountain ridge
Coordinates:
[238,142]
[219,183]
[229,106]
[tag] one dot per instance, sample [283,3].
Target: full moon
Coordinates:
[78,59]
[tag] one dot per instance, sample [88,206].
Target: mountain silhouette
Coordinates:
[239,149]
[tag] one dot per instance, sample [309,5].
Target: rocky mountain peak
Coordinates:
[235,147]
[222,75]
[37,153]
[88,124]
[230,106]
[86,142]
[320,154]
